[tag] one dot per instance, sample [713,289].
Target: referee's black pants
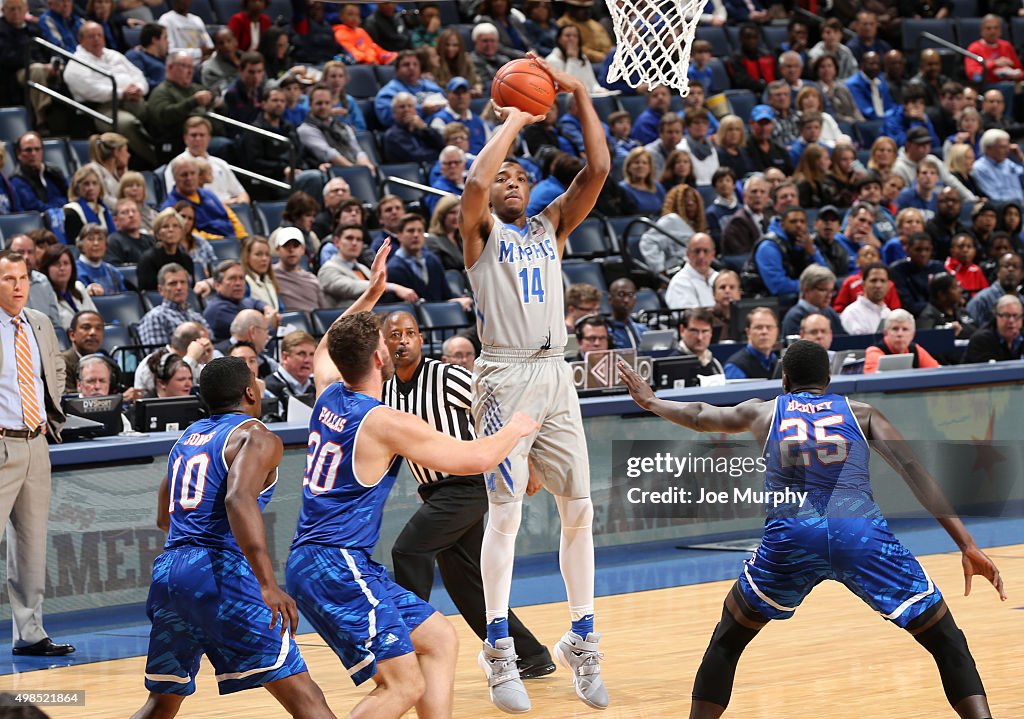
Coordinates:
[449,527]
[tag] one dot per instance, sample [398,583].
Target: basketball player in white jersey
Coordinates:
[514,264]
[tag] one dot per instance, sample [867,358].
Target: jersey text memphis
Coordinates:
[517,283]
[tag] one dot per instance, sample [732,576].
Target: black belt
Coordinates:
[21,433]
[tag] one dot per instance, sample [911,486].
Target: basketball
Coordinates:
[523,84]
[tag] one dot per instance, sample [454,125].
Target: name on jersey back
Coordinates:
[795,406]
[331,420]
[198,440]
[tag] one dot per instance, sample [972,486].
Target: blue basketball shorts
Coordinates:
[207,601]
[796,554]
[362,614]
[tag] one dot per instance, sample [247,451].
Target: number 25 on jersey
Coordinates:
[827,448]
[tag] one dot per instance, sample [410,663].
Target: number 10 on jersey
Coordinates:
[532,284]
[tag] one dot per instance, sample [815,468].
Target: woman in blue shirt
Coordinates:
[639,182]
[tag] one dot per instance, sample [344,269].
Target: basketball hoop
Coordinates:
[653,40]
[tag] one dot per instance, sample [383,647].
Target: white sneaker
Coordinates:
[583,659]
[499,665]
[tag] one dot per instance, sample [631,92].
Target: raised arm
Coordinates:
[890,444]
[325,372]
[256,450]
[697,416]
[572,207]
[475,213]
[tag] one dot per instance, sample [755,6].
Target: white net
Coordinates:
[653,39]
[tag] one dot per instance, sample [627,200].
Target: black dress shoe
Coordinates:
[43,648]
[536,666]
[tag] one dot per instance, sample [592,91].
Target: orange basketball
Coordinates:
[523,84]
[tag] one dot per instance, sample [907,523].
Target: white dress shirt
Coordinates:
[862,316]
[87,86]
[11,416]
[689,288]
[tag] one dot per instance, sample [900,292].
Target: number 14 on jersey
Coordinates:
[532,284]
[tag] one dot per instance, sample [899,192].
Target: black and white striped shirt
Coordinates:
[440,394]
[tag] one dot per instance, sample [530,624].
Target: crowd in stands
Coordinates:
[851,179]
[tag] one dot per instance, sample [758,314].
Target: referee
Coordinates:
[450,524]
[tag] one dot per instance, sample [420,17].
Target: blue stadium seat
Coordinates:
[707,193]
[156,193]
[741,102]
[125,309]
[407,171]
[226,249]
[56,154]
[1016,31]
[62,338]
[131,276]
[19,223]
[719,76]
[587,241]
[633,104]
[117,336]
[369,114]
[647,299]
[968,29]
[774,36]
[205,10]
[361,182]
[389,307]
[965,8]
[270,214]
[719,39]
[385,73]
[605,105]
[449,12]
[280,9]
[576,272]
[456,282]
[362,82]
[368,141]
[441,320]
[152,299]
[868,131]
[132,35]
[13,124]
[913,27]
[297,321]
[80,151]
[244,214]
[323,319]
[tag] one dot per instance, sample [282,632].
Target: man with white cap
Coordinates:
[298,288]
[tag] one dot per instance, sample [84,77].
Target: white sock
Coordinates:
[497,555]
[576,554]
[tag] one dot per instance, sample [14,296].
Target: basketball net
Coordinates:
[653,41]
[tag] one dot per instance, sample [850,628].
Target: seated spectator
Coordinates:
[758,359]
[853,286]
[37,186]
[186,31]
[983,223]
[250,24]
[695,333]
[213,219]
[244,96]
[388,28]
[817,328]
[864,314]
[752,68]
[894,67]
[909,222]
[1007,282]
[700,67]
[625,332]
[775,265]
[762,149]
[417,268]
[869,91]
[817,284]
[837,97]
[343,277]
[458,350]
[581,300]
[961,265]
[298,289]
[726,288]
[409,139]
[780,100]
[85,334]
[150,54]
[171,374]
[592,335]
[270,157]
[831,45]
[409,78]
[945,309]
[220,70]
[663,247]
[898,331]
[725,204]
[945,223]
[58,265]
[97,377]
[453,171]
[670,137]
[909,114]
[294,376]
[350,34]
[867,40]
[328,140]
[158,325]
[443,238]
[749,223]
[730,139]
[703,154]
[300,212]
[639,183]
[92,270]
[60,24]
[260,280]
[693,286]
[922,195]
[594,39]
[911,275]
[128,243]
[85,206]
[169,228]
[41,296]
[963,147]
[1000,61]
[189,341]
[832,246]
[458,110]
[811,177]
[918,148]
[133,187]
[678,170]
[620,129]
[229,300]
[113,23]
[95,90]
[109,157]
[569,57]
[647,126]
[176,103]
[1000,340]
[998,177]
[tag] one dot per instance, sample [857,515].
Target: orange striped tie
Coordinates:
[26,382]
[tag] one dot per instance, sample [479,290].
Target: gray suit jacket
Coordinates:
[53,369]
[341,286]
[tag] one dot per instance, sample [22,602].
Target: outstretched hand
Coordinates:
[379,269]
[639,390]
[976,561]
[514,114]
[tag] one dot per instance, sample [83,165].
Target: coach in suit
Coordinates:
[31,383]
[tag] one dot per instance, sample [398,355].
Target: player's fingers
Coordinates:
[293,618]
[967,583]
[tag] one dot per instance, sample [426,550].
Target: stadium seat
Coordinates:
[479,104]
[588,272]
[369,114]
[707,193]
[441,320]
[62,338]
[132,35]
[152,298]
[633,104]
[385,74]
[719,76]
[156,193]
[648,300]
[226,249]
[368,141]
[270,214]
[456,282]
[361,182]
[125,309]
[56,154]
[322,319]
[719,39]
[389,307]
[407,171]
[280,9]
[968,29]
[245,215]
[362,82]
[19,223]
[131,276]
[117,336]
[605,105]
[205,10]
[587,241]
[79,151]
[774,37]
[741,102]
[449,12]
[1016,31]
[965,8]
[13,124]
[297,321]
[912,28]
[868,131]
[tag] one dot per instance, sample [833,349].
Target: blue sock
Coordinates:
[583,626]
[497,629]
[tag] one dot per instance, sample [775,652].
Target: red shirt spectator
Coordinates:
[1001,61]
[243,23]
[853,287]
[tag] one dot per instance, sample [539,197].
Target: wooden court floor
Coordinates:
[834,659]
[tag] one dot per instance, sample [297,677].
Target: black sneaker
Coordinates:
[539,665]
